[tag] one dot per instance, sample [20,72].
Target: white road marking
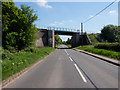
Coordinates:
[80,73]
[77,69]
[66,52]
[70,58]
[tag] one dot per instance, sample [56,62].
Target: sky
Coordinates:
[71,14]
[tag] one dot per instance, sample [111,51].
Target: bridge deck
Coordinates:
[59,29]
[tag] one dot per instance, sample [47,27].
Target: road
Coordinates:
[66,68]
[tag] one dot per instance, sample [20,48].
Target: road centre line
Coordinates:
[80,73]
[70,58]
[66,52]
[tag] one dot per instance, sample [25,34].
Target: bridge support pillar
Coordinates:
[75,40]
[51,38]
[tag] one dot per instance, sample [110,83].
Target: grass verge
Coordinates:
[68,45]
[107,53]
[15,62]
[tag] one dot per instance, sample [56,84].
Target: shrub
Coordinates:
[93,38]
[7,55]
[10,49]
[108,46]
[31,49]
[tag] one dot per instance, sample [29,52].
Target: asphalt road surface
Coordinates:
[66,68]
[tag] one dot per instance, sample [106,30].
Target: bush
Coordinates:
[10,49]
[108,46]
[30,49]
[93,38]
[7,55]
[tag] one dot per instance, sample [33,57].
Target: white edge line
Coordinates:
[80,73]
[70,58]
[66,52]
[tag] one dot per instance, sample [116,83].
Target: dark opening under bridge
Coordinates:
[46,36]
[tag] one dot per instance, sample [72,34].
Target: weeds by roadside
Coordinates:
[15,62]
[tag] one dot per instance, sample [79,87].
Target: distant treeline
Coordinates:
[109,34]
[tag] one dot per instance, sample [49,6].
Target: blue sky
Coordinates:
[71,14]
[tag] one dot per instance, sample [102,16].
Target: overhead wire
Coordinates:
[99,12]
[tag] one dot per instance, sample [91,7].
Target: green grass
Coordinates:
[68,45]
[15,62]
[107,53]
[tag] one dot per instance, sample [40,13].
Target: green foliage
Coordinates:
[68,41]
[93,38]
[15,62]
[58,40]
[11,49]
[109,33]
[18,30]
[31,49]
[118,34]
[107,53]
[108,46]
[69,45]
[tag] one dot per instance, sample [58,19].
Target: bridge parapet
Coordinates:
[61,29]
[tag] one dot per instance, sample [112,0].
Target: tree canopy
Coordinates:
[18,30]
[58,40]
[68,41]
[109,33]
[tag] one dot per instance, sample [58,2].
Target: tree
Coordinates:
[18,30]
[68,41]
[58,40]
[118,34]
[108,33]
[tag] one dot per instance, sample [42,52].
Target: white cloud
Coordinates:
[56,24]
[112,12]
[61,23]
[43,3]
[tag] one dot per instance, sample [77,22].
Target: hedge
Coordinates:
[103,52]
[108,46]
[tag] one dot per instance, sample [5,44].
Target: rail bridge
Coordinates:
[46,36]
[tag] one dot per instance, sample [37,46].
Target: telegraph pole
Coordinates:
[81,28]
[81,33]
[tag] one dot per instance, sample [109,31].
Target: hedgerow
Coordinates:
[108,46]
[103,52]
